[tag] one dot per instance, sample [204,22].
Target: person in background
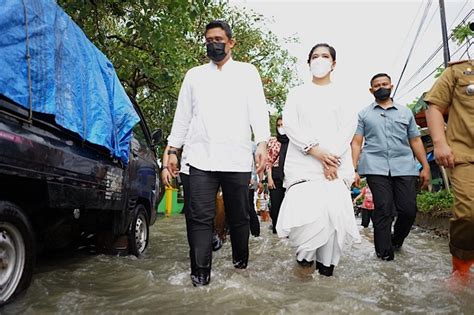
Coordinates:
[277,147]
[392,140]
[367,205]
[453,92]
[255,182]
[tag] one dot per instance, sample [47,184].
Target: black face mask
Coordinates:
[382,94]
[216,51]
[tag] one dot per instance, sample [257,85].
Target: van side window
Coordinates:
[139,134]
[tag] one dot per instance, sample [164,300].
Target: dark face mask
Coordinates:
[382,94]
[216,51]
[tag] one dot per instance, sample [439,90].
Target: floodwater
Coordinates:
[159,283]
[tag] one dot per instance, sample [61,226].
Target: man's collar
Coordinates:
[394,105]
[228,62]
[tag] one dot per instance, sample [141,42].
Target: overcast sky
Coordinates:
[369,36]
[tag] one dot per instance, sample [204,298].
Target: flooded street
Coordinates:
[159,283]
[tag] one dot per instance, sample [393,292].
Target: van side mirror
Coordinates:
[157,137]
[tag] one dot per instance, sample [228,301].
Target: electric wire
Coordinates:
[409,31]
[429,74]
[423,19]
[431,57]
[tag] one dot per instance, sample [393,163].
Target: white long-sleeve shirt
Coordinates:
[220,109]
[319,115]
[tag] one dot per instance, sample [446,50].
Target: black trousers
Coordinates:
[366,216]
[254,222]
[276,198]
[203,189]
[187,200]
[393,196]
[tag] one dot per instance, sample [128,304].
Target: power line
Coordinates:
[425,13]
[431,57]
[429,74]
[429,23]
[409,31]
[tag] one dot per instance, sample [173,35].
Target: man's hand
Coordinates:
[173,165]
[271,183]
[330,173]
[328,159]
[357,180]
[166,177]
[261,157]
[425,177]
[444,155]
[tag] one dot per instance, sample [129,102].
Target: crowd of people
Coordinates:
[220,142]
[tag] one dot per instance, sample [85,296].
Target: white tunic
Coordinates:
[317,210]
[217,112]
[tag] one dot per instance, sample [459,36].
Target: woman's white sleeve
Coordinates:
[294,129]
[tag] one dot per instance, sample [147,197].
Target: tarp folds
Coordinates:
[70,78]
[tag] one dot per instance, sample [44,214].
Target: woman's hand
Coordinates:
[271,183]
[327,159]
[330,173]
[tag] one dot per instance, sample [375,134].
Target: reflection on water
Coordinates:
[159,283]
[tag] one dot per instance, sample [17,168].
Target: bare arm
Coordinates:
[166,175]
[442,151]
[356,147]
[420,153]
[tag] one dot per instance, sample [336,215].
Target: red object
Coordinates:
[420,118]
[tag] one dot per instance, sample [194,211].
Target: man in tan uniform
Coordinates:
[454,92]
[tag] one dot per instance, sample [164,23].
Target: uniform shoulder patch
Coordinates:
[456,62]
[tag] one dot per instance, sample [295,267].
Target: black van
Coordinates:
[56,188]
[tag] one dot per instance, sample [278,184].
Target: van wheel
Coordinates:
[17,251]
[139,231]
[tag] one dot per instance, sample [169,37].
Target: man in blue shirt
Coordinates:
[391,139]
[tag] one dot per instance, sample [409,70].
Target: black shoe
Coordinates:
[255,228]
[216,242]
[324,270]
[397,245]
[387,256]
[304,263]
[200,279]
[240,264]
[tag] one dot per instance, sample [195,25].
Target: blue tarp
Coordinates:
[70,78]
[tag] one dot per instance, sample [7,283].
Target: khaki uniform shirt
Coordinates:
[452,90]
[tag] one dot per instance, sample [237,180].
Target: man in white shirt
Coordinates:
[220,103]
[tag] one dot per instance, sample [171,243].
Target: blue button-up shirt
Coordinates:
[387,149]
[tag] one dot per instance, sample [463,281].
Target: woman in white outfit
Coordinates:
[317,214]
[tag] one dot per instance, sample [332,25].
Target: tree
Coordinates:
[461,33]
[153,43]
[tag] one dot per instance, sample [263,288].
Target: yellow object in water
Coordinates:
[169,200]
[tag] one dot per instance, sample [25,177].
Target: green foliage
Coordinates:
[439,71]
[152,44]
[461,33]
[418,105]
[437,202]
[412,105]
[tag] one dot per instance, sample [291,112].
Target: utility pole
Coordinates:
[447,58]
[444,32]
